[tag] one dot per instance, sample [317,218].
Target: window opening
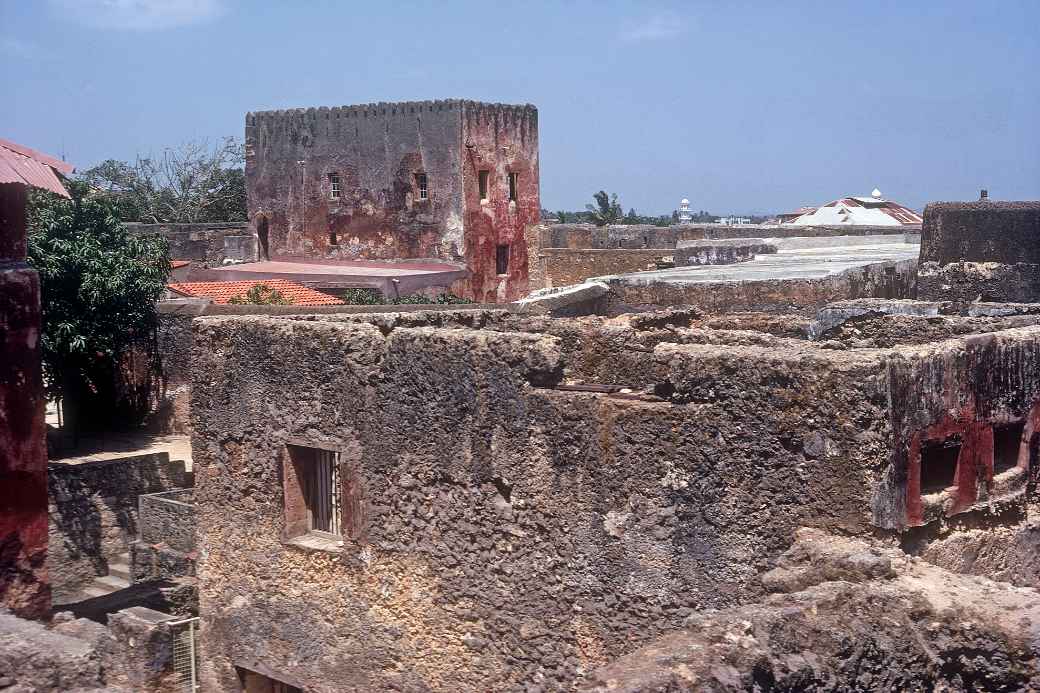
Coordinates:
[482,183]
[334,189]
[514,179]
[420,183]
[939,465]
[1006,442]
[502,259]
[313,500]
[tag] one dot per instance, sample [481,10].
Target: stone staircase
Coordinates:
[118,578]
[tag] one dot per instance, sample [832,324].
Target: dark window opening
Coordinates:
[1006,443]
[253,682]
[514,180]
[502,259]
[482,183]
[334,189]
[312,491]
[332,238]
[939,465]
[420,184]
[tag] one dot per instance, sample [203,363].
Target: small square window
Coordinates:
[421,185]
[1006,443]
[334,189]
[483,178]
[312,491]
[502,259]
[514,184]
[939,465]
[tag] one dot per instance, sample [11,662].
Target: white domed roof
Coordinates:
[684,201]
[876,194]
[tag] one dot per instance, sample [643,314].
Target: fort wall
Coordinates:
[518,528]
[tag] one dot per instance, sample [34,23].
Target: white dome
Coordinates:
[876,194]
[684,201]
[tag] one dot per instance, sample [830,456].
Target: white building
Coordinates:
[684,212]
[859,211]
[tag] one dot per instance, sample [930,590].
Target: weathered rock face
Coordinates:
[505,531]
[848,616]
[981,250]
[94,513]
[24,587]
[399,180]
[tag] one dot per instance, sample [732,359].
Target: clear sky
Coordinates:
[743,107]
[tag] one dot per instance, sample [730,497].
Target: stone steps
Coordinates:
[118,578]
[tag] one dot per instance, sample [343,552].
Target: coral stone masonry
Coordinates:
[451,180]
[476,500]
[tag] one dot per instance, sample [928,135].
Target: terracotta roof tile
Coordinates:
[222,292]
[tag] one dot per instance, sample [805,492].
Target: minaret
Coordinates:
[684,212]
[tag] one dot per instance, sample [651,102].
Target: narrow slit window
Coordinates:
[482,183]
[334,188]
[421,186]
[514,180]
[502,259]
[1006,443]
[939,465]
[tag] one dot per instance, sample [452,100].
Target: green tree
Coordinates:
[99,286]
[607,209]
[194,182]
[261,295]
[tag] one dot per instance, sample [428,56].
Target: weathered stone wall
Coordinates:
[879,280]
[166,548]
[643,236]
[94,513]
[720,252]
[564,266]
[828,593]
[983,250]
[983,231]
[169,518]
[378,150]
[206,244]
[24,585]
[513,533]
[133,654]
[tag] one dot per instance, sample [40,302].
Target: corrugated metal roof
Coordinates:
[860,210]
[20,164]
[222,292]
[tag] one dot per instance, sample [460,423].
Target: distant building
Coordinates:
[788,217]
[734,221]
[684,212]
[454,181]
[860,211]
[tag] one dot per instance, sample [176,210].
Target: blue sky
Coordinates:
[741,106]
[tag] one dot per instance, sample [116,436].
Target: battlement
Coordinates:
[383,109]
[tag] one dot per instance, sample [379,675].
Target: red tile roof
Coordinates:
[20,164]
[175,264]
[222,292]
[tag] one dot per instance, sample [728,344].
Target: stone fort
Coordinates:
[451,180]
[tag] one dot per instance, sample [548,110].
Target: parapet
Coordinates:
[981,231]
[381,109]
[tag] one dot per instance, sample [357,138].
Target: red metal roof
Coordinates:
[222,292]
[20,164]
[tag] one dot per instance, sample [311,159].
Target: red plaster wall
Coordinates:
[974,461]
[501,140]
[24,588]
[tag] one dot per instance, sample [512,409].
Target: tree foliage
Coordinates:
[607,209]
[194,182]
[99,286]
[261,295]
